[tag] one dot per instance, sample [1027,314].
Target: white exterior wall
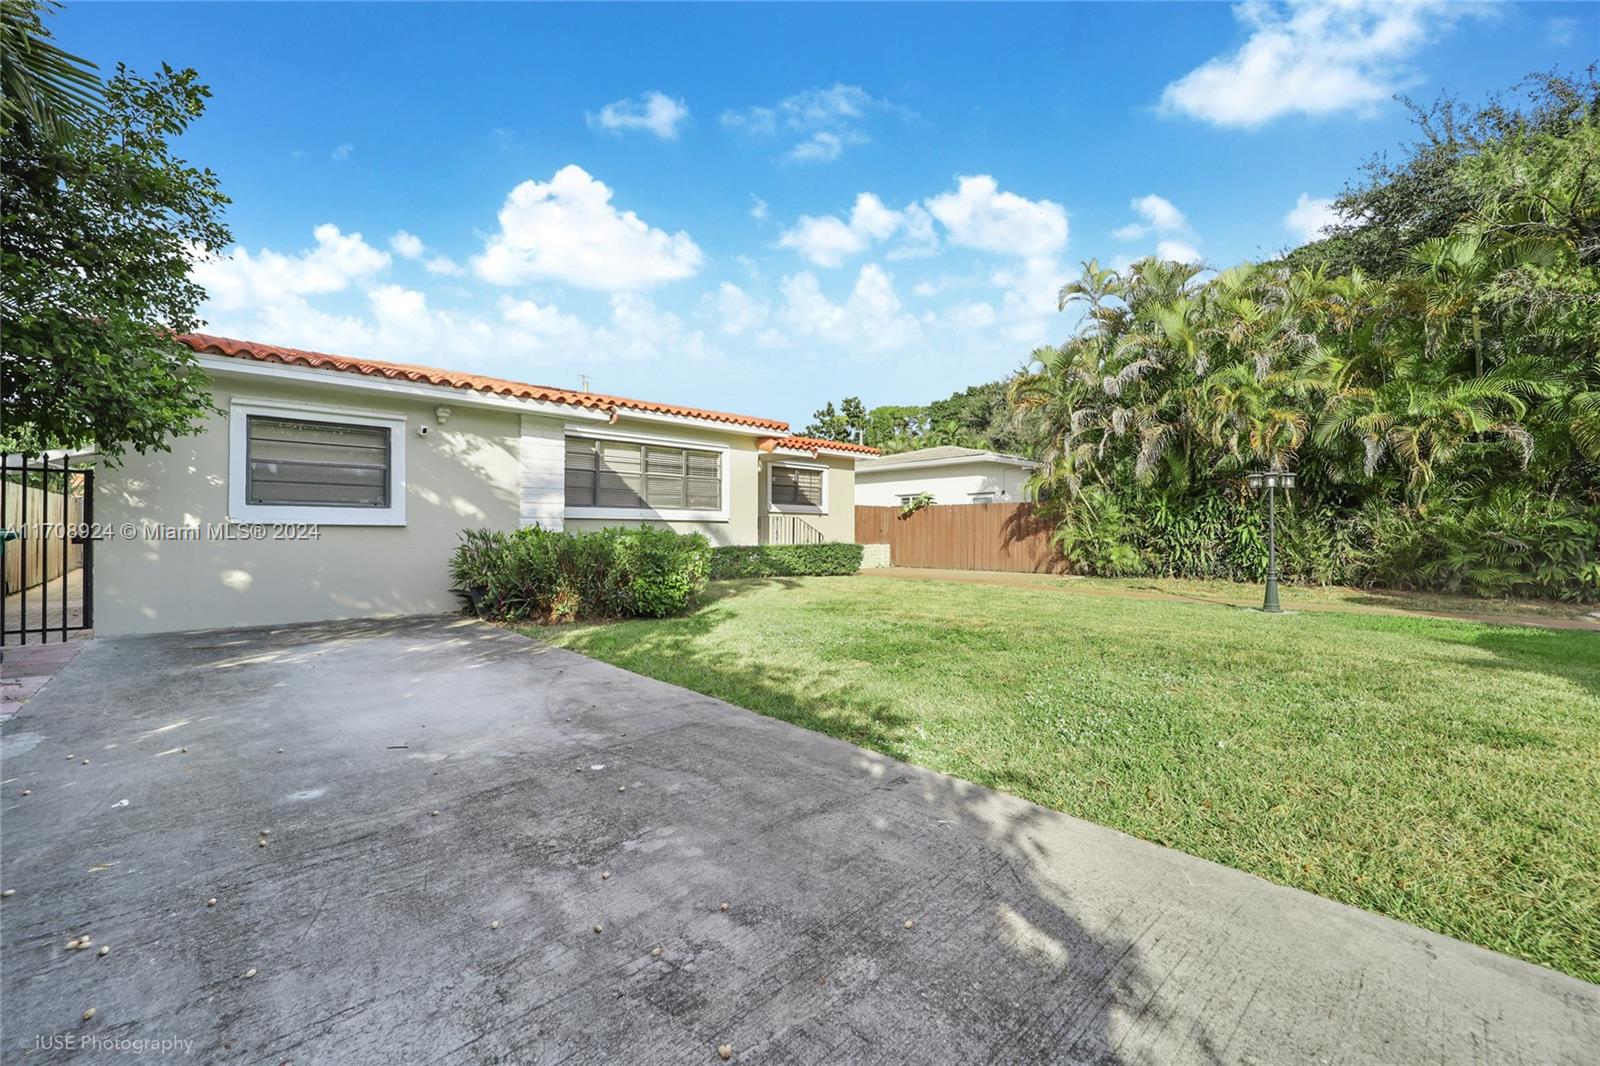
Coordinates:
[955,483]
[464,473]
[483,466]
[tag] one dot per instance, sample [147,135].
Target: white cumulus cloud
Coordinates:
[1178,251]
[653,111]
[979,215]
[567,230]
[1310,218]
[240,279]
[828,240]
[1312,59]
[871,317]
[406,245]
[1159,214]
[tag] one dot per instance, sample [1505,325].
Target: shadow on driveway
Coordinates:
[368,917]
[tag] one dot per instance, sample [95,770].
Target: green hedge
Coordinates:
[540,576]
[784,560]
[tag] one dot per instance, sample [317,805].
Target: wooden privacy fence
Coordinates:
[47,556]
[965,536]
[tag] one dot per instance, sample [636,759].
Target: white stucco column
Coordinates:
[542,486]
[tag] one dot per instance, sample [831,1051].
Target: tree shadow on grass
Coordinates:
[1571,655]
[1024,970]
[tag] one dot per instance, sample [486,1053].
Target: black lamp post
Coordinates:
[1273,480]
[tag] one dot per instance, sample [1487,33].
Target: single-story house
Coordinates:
[335,487]
[949,475]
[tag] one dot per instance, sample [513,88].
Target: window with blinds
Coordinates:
[290,462]
[608,473]
[794,486]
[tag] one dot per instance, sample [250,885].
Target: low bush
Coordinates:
[784,560]
[540,576]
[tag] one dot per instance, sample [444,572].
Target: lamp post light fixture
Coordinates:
[1272,480]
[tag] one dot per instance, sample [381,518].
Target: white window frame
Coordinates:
[797,508]
[989,496]
[241,510]
[648,514]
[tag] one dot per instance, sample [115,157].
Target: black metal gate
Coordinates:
[46,522]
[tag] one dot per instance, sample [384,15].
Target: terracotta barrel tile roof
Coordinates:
[427,375]
[812,444]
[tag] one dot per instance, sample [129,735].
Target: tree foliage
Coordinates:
[977,417]
[99,229]
[1437,363]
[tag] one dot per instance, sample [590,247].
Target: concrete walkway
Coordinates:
[1589,622]
[669,874]
[41,607]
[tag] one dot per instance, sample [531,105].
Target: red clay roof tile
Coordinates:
[427,375]
[816,444]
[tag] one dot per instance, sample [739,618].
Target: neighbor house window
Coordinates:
[798,488]
[983,497]
[642,477]
[316,463]
[296,463]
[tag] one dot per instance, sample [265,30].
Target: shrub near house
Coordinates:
[784,560]
[535,575]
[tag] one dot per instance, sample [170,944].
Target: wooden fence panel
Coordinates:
[974,536]
[46,558]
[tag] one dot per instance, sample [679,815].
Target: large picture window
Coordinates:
[796,488]
[625,475]
[301,463]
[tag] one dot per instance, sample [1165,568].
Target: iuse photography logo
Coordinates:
[127,1045]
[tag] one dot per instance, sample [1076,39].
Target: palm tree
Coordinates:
[39,83]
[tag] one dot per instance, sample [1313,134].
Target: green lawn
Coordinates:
[1444,773]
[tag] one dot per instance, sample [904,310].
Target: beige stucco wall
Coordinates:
[839,523]
[469,472]
[463,474]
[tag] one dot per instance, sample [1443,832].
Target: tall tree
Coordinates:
[96,241]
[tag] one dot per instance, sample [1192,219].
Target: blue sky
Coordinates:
[761,208]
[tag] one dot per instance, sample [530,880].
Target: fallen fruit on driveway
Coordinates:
[599,928]
[105,949]
[725,1052]
[655,953]
[8,893]
[88,1014]
[251,972]
[212,902]
[494,925]
[909,923]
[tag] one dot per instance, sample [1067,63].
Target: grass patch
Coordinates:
[1443,773]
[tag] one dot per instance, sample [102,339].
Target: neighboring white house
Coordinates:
[949,475]
[333,487]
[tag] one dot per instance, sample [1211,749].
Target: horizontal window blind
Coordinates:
[793,486]
[299,463]
[604,473]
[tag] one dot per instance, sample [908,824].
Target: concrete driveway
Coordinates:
[423,780]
